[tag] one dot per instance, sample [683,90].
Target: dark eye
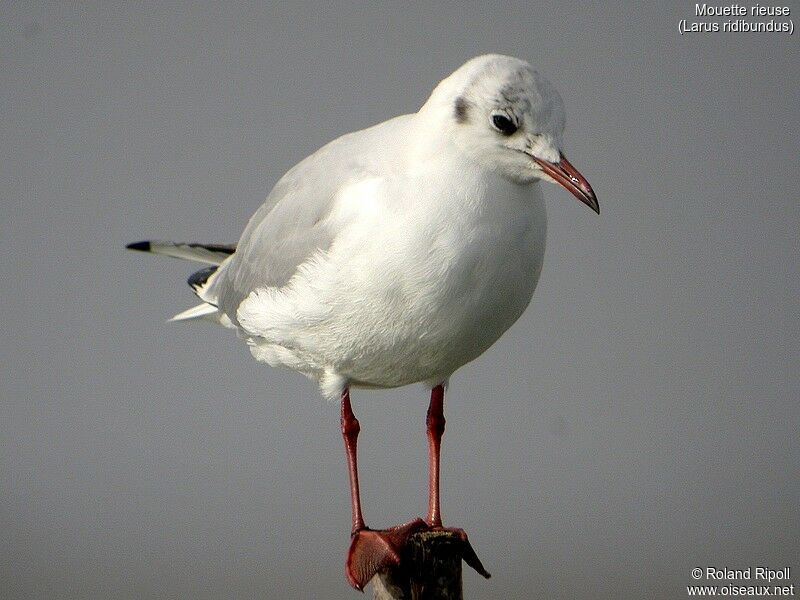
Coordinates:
[503,124]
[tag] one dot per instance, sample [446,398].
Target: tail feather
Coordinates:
[212,254]
[201,311]
[204,312]
[200,282]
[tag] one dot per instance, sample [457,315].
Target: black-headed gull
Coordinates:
[397,254]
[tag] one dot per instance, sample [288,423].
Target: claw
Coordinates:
[372,551]
[468,552]
[375,551]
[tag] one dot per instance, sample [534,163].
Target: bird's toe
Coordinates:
[373,551]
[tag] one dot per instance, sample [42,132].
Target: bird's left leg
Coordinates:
[435,423]
[435,426]
[371,551]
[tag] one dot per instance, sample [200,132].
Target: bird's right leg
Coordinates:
[371,551]
[350,430]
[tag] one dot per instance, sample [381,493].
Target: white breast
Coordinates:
[412,289]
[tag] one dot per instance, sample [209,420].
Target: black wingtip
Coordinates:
[199,279]
[140,246]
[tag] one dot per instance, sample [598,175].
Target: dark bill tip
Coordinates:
[570,179]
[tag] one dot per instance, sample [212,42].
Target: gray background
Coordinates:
[640,420]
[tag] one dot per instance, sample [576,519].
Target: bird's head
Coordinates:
[507,117]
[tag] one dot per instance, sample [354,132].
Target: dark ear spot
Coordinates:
[461,107]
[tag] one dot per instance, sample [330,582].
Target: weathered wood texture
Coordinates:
[431,570]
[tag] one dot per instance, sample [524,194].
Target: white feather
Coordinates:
[399,253]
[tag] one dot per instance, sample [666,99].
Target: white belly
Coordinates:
[412,296]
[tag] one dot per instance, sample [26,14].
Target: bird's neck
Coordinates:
[431,144]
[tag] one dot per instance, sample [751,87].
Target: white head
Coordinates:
[504,115]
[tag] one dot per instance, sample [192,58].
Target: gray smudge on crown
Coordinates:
[512,94]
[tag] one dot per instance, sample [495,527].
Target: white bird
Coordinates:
[398,254]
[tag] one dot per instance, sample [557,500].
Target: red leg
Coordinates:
[370,551]
[435,423]
[350,431]
[373,551]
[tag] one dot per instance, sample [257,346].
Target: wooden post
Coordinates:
[431,570]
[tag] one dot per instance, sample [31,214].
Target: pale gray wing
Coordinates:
[292,224]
